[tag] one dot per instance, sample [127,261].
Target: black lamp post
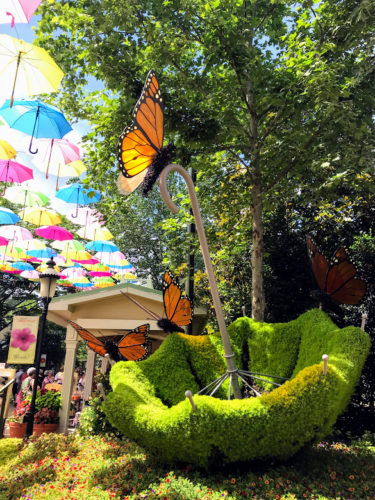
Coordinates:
[48,281]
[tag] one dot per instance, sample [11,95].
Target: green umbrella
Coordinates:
[26,197]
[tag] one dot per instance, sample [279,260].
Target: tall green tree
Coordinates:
[269,96]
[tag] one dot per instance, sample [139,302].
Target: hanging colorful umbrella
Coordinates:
[26,69]
[17,11]
[112,259]
[75,272]
[31,245]
[30,275]
[40,216]
[25,196]
[78,194]
[96,232]
[54,155]
[87,216]
[43,253]
[6,268]
[22,266]
[54,233]
[103,282]
[100,270]
[7,216]
[101,246]
[7,152]
[3,241]
[83,257]
[66,247]
[16,234]
[14,253]
[36,119]
[12,171]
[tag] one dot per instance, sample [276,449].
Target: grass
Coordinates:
[104,467]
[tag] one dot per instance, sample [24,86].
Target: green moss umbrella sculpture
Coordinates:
[148,400]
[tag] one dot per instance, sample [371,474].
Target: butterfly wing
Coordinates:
[95,344]
[134,345]
[127,185]
[178,309]
[341,283]
[140,142]
[319,263]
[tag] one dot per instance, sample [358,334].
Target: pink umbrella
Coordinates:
[87,216]
[17,11]
[3,241]
[54,154]
[15,233]
[12,171]
[75,272]
[54,233]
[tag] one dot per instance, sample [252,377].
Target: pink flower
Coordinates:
[22,338]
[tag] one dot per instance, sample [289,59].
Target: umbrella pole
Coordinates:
[32,135]
[57,180]
[15,79]
[49,158]
[76,215]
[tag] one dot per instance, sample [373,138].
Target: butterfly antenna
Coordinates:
[153,315]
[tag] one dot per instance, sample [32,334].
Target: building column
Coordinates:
[105,363]
[89,374]
[71,342]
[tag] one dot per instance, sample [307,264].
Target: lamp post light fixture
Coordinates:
[48,281]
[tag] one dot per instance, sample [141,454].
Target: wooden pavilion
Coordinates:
[106,312]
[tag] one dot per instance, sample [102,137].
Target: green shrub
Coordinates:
[9,448]
[93,420]
[148,402]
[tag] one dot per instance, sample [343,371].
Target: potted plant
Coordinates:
[17,427]
[46,419]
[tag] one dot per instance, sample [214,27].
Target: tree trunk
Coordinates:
[257,289]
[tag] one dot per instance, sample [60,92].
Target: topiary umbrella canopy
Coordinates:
[148,400]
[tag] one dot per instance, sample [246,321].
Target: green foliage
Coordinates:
[93,420]
[50,399]
[9,448]
[275,425]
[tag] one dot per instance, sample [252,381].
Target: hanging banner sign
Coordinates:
[23,340]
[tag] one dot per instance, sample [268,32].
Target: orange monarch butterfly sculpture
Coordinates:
[132,347]
[336,278]
[141,153]
[178,309]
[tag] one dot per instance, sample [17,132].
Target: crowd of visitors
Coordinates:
[26,378]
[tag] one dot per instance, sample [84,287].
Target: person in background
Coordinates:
[17,383]
[48,379]
[81,382]
[59,377]
[27,385]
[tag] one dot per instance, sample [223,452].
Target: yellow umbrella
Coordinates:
[7,152]
[95,233]
[26,69]
[40,216]
[14,253]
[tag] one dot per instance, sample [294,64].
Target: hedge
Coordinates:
[148,403]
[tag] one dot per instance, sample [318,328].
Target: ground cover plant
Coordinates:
[58,467]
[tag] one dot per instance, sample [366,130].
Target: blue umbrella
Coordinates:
[76,193]
[36,119]
[42,253]
[102,246]
[7,216]
[22,266]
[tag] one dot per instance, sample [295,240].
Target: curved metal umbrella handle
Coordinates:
[229,356]
[31,141]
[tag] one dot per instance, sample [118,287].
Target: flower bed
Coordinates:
[57,467]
